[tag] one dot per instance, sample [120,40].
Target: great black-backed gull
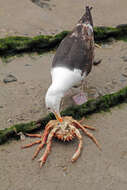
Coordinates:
[72,62]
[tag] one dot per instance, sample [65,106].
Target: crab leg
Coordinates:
[33,135]
[31,144]
[80,121]
[87,133]
[86,126]
[78,151]
[48,147]
[43,141]
[89,127]
[92,137]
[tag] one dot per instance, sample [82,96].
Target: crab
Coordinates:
[65,131]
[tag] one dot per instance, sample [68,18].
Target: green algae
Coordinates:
[15,45]
[104,34]
[102,103]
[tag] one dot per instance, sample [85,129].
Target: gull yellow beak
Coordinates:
[58,117]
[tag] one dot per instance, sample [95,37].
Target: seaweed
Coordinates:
[102,103]
[15,45]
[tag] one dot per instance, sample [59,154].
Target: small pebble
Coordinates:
[27,64]
[114,82]
[124,58]
[122,78]
[107,46]
[9,120]
[25,34]
[97,61]
[124,72]
[22,136]
[100,92]
[9,78]
[65,169]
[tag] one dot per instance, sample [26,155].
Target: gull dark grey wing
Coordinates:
[76,51]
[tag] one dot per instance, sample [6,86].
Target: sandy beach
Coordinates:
[27,18]
[23,100]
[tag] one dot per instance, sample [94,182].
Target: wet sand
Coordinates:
[23,101]
[94,169]
[26,18]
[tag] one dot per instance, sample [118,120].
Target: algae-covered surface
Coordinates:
[102,103]
[15,45]
[23,101]
[94,169]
